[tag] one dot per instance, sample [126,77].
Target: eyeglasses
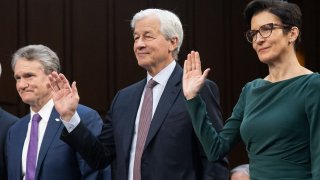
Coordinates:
[265,31]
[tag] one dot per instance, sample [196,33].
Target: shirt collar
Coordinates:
[45,111]
[163,76]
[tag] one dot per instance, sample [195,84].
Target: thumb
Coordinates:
[74,89]
[205,73]
[204,76]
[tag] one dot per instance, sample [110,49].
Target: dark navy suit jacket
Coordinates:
[172,150]
[56,160]
[6,120]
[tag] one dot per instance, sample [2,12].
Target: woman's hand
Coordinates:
[193,78]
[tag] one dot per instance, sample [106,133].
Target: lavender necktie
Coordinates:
[144,124]
[33,148]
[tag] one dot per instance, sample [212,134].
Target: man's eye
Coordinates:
[148,37]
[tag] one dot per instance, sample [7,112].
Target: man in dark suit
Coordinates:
[52,159]
[6,120]
[169,149]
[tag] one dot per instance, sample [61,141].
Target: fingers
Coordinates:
[75,90]
[193,62]
[197,61]
[53,81]
[63,82]
[185,70]
[187,64]
[190,62]
[58,81]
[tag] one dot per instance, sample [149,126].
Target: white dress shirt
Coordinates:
[45,113]
[162,78]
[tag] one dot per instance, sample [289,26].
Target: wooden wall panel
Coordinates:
[210,36]
[94,42]
[127,70]
[89,51]
[44,23]
[9,30]
[311,34]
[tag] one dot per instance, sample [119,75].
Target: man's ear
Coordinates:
[173,43]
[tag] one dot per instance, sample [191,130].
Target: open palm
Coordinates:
[193,79]
[65,98]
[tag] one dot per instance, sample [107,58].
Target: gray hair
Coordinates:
[170,25]
[41,53]
[241,168]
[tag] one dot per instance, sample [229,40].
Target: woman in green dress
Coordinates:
[278,116]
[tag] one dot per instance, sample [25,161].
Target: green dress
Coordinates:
[279,124]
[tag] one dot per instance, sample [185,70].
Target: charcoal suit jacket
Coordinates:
[172,150]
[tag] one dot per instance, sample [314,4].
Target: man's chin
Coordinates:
[142,64]
[26,100]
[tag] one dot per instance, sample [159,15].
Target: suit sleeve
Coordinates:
[94,123]
[97,151]
[217,170]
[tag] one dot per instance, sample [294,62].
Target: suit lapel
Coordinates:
[168,97]
[49,136]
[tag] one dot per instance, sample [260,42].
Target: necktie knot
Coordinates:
[151,83]
[36,117]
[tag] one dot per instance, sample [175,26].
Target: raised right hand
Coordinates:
[193,78]
[65,97]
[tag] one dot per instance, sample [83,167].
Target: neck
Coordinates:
[285,68]
[36,106]
[154,70]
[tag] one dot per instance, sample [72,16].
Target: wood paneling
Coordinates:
[94,42]
[9,19]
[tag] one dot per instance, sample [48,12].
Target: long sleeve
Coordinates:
[216,143]
[89,147]
[213,170]
[279,124]
[84,139]
[94,124]
[312,100]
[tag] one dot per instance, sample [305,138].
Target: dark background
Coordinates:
[94,42]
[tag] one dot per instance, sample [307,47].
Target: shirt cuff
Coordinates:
[73,123]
